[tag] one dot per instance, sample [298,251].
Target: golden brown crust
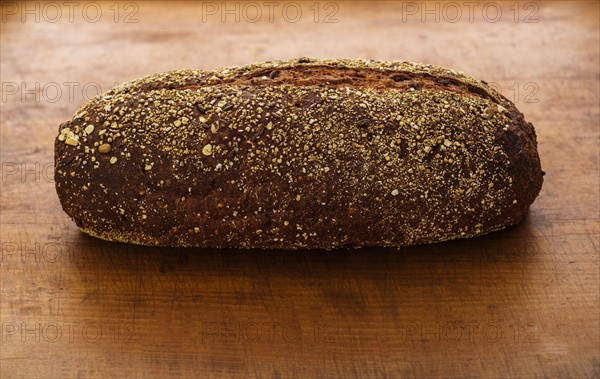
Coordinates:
[298,154]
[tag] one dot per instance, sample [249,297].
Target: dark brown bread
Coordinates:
[298,154]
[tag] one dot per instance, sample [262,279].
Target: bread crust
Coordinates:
[298,154]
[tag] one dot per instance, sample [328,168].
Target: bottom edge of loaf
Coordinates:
[133,238]
[122,237]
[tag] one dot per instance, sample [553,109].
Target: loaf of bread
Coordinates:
[298,154]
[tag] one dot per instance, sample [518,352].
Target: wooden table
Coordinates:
[517,303]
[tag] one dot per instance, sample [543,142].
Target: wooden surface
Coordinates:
[518,303]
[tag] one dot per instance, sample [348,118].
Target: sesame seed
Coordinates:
[104,148]
[72,141]
[207,149]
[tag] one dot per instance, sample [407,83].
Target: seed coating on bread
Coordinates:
[298,154]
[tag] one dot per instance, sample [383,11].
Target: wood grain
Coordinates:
[518,303]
